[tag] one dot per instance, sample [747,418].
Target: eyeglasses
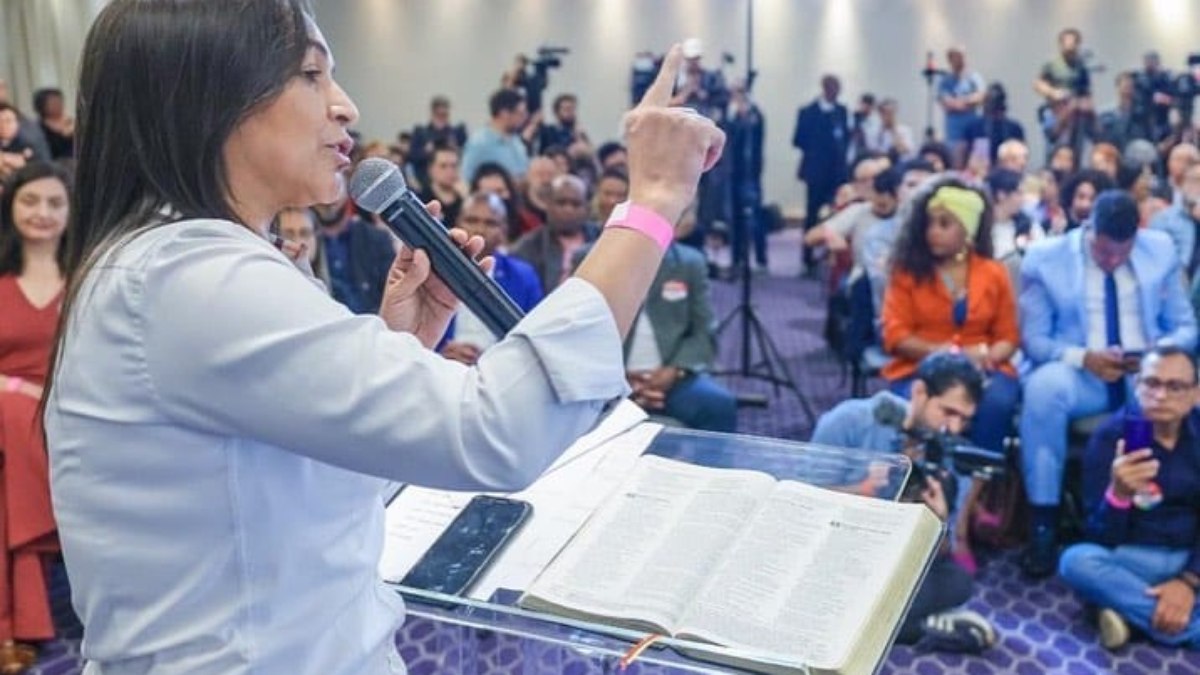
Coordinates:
[1173,387]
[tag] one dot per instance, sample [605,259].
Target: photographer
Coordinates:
[1125,121]
[1065,83]
[1141,566]
[1155,96]
[989,131]
[945,394]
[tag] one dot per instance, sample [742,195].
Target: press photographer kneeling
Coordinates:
[945,394]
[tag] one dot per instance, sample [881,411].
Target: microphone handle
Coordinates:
[480,293]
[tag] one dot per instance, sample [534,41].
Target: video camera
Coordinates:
[535,77]
[943,455]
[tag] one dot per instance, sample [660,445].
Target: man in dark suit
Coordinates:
[566,232]
[672,345]
[822,132]
[358,255]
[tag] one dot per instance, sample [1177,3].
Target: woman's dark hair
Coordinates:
[512,204]
[41,99]
[1064,146]
[163,85]
[912,252]
[1099,181]
[12,256]
[941,150]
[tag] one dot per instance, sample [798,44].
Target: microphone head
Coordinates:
[376,184]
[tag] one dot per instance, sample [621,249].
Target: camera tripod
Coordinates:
[770,366]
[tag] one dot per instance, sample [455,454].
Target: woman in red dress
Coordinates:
[33,216]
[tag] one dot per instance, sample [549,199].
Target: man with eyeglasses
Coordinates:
[483,214]
[1091,301]
[1141,563]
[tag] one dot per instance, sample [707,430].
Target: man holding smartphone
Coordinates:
[1141,563]
[1089,299]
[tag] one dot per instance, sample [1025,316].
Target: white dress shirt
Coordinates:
[1129,312]
[643,348]
[220,432]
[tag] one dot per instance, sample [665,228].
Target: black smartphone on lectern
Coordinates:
[468,545]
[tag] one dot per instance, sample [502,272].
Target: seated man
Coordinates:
[945,394]
[1091,301]
[356,256]
[483,214]
[552,248]
[1141,566]
[1180,220]
[672,345]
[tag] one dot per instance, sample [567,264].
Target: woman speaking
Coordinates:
[219,429]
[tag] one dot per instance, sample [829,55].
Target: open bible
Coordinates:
[739,559]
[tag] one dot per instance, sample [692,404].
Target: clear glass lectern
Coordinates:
[455,635]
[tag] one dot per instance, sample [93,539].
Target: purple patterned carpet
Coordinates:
[1042,627]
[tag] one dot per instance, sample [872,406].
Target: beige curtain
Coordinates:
[40,43]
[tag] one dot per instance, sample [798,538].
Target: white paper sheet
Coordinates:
[416,518]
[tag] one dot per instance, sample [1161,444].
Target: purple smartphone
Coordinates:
[1139,433]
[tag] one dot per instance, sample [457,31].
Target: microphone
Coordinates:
[378,187]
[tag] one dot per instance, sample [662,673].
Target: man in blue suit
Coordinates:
[1091,302]
[822,134]
[483,214]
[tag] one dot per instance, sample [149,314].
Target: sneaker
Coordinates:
[959,630]
[1114,632]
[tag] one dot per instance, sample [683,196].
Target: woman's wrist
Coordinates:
[13,385]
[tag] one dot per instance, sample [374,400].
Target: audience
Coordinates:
[500,141]
[1140,566]
[33,218]
[1013,230]
[483,215]
[672,348]
[1078,195]
[1013,155]
[961,94]
[57,126]
[566,132]
[930,261]
[947,294]
[438,132]
[300,227]
[612,189]
[1181,219]
[893,138]
[492,178]
[357,255]
[1091,302]
[821,134]
[14,151]
[551,249]
[442,182]
[945,392]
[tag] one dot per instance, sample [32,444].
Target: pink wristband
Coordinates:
[631,216]
[1115,501]
[13,384]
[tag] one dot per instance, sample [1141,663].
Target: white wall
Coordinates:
[393,55]
[40,44]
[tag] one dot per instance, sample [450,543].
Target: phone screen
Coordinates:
[468,545]
[1139,433]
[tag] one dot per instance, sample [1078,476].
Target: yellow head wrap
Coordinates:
[966,205]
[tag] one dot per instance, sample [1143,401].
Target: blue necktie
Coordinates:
[1112,328]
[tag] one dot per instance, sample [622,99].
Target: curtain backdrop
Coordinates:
[40,43]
